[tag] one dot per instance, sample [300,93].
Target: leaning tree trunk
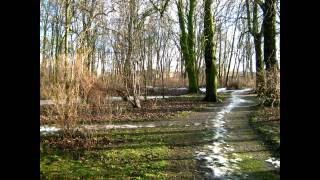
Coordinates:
[209,54]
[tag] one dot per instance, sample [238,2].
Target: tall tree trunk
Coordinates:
[235,63]
[209,54]
[187,44]
[269,33]
[260,82]
[231,54]
[220,51]
[249,54]
[66,49]
[57,49]
[44,40]
[131,79]
[191,47]
[223,72]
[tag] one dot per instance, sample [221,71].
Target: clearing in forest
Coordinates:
[211,141]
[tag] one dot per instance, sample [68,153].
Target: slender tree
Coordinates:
[257,36]
[232,44]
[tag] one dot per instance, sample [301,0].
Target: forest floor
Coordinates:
[175,138]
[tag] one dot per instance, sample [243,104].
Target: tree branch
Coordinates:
[260,3]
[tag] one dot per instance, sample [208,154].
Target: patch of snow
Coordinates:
[203,90]
[112,126]
[117,98]
[48,129]
[155,97]
[150,125]
[221,89]
[275,162]
[197,124]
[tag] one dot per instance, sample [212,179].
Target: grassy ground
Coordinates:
[162,152]
[159,153]
[266,122]
[144,153]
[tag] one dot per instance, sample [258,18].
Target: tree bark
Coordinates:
[187,45]
[269,33]
[209,54]
[260,82]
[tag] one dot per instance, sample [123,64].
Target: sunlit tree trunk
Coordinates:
[187,45]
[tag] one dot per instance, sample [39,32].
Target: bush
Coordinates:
[233,84]
[73,91]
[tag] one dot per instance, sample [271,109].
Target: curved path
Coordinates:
[212,142]
[236,151]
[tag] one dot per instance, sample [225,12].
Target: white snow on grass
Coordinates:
[203,90]
[112,98]
[196,124]
[117,98]
[275,162]
[215,157]
[112,126]
[48,129]
[51,129]
[219,90]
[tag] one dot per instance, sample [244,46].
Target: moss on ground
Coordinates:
[252,168]
[135,163]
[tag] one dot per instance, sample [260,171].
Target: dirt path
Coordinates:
[236,152]
[212,142]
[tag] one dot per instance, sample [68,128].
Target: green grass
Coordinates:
[118,164]
[140,163]
[146,153]
[255,169]
[268,130]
